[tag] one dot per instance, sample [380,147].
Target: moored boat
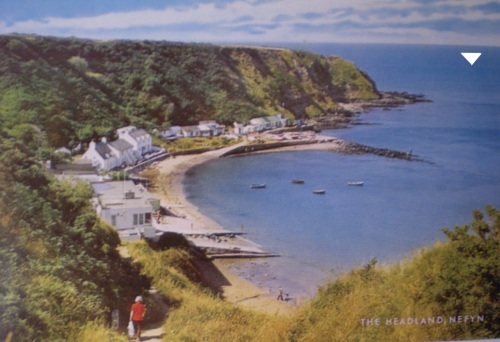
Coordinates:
[297,181]
[355,183]
[257,186]
[319,192]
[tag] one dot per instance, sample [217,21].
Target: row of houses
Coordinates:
[131,147]
[210,128]
[261,124]
[134,144]
[207,128]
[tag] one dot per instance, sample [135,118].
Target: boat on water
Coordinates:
[319,192]
[297,181]
[257,186]
[355,183]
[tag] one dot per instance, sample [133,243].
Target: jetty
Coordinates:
[216,244]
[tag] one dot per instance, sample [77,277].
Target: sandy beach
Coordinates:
[233,289]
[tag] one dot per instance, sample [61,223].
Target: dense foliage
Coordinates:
[59,265]
[74,90]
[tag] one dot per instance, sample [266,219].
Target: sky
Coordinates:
[457,22]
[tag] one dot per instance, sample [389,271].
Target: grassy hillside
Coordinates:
[60,271]
[457,281]
[78,89]
[197,314]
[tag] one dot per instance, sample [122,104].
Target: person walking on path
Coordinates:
[137,316]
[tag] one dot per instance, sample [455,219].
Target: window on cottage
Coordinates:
[148,218]
[136,219]
[113,220]
[141,219]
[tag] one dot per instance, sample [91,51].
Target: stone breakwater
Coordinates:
[325,143]
[355,148]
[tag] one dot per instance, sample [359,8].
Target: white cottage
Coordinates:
[126,207]
[124,151]
[261,124]
[191,131]
[130,147]
[269,122]
[213,127]
[139,138]
[171,132]
[101,155]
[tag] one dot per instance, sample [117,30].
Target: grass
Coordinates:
[199,143]
[197,314]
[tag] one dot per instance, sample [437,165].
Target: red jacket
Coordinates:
[138,311]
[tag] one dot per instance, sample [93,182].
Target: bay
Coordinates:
[402,206]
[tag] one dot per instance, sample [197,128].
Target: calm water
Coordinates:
[402,206]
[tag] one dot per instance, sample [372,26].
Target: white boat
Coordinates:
[355,183]
[257,186]
[319,192]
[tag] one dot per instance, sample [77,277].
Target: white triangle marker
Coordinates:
[471,57]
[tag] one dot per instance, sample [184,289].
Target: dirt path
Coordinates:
[153,332]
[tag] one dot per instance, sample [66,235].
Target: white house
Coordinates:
[101,155]
[207,128]
[139,138]
[213,126]
[130,147]
[261,124]
[191,131]
[124,151]
[171,132]
[269,122]
[127,207]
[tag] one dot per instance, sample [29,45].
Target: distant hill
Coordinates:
[75,89]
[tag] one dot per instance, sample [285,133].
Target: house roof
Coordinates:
[103,150]
[121,145]
[112,195]
[138,133]
[191,128]
[204,128]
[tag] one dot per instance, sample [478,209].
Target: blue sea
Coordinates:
[402,206]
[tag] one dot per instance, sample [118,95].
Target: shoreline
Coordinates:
[216,273]
[233,287]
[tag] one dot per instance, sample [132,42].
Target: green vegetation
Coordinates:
[193,144]
[75,90]
[448,281]
[197,313]
[60,270]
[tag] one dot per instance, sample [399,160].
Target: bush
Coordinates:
[169,240]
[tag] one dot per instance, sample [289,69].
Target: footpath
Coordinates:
[153,332]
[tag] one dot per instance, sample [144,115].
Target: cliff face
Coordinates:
[76,89]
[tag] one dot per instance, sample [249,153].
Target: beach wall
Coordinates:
[337,145]
[269,146]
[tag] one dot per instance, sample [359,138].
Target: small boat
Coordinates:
[257,186]
[319,192]
[355,183]
[297,181]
